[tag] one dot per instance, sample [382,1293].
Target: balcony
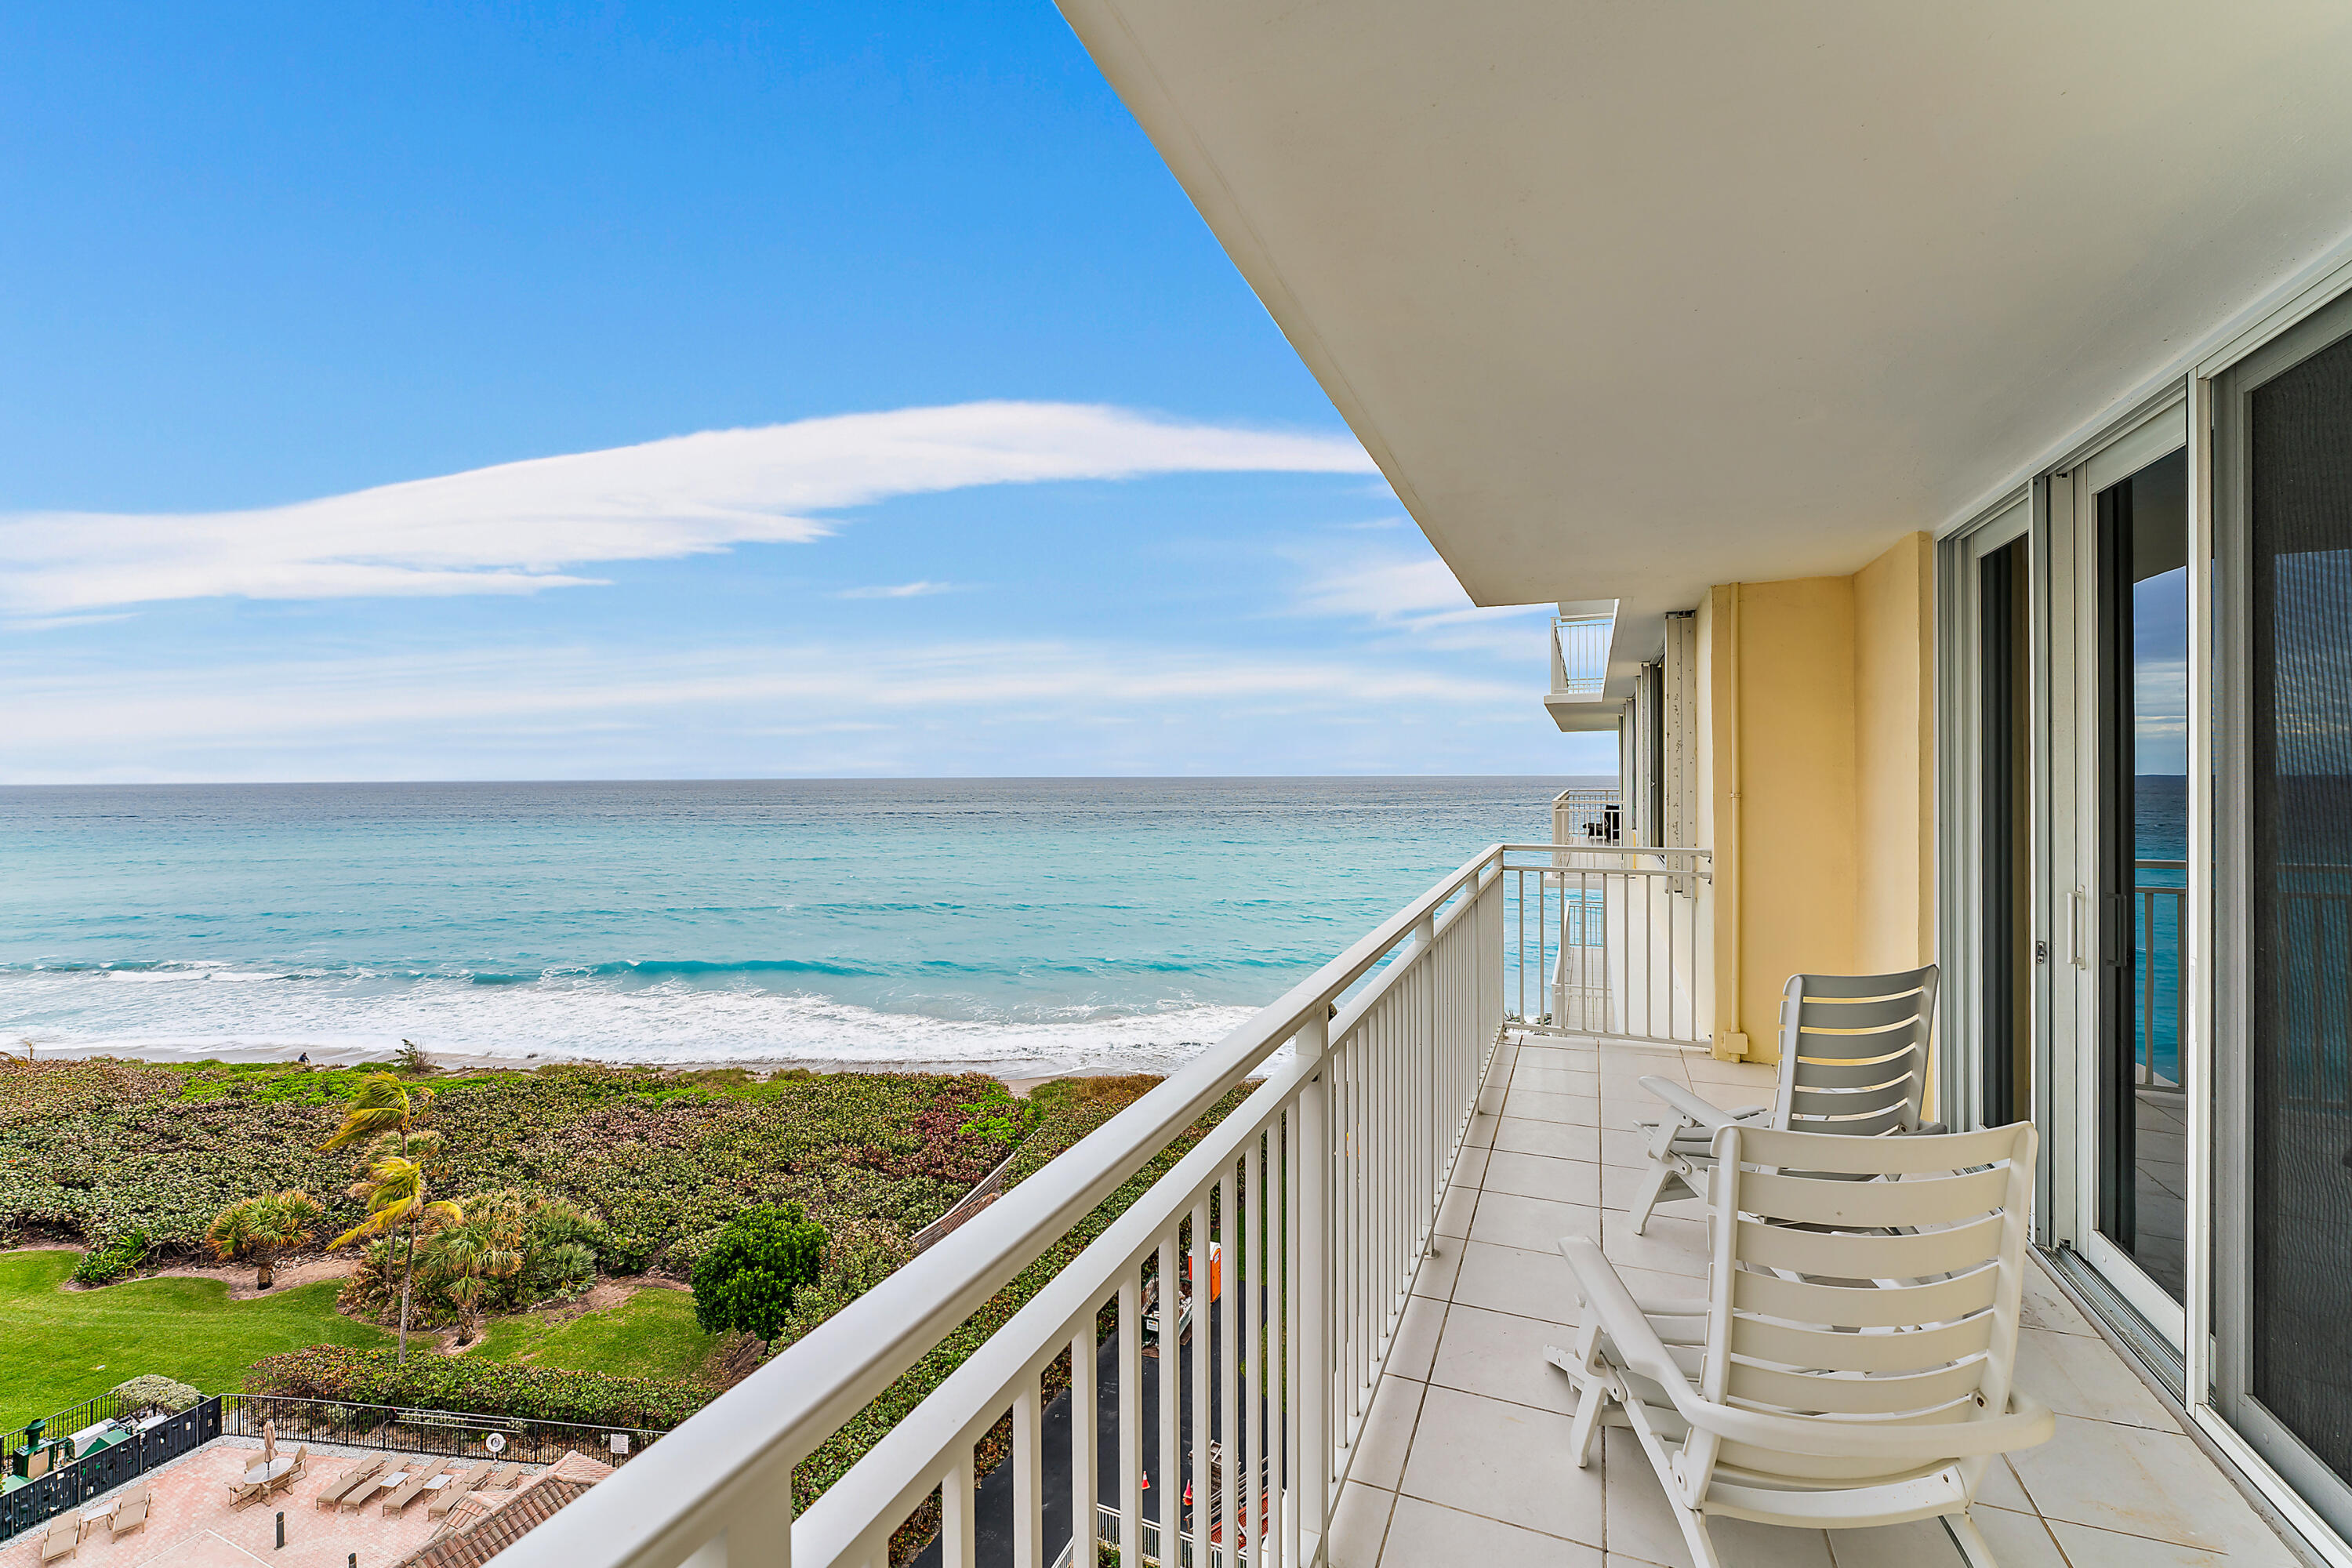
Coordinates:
[1581,635]
[1330,1317]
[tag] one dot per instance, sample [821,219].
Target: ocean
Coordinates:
[1016,926]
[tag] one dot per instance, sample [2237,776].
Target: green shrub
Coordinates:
[98,1148]
[156,1392]
[743,1282]
[336,1376]
[105,1265]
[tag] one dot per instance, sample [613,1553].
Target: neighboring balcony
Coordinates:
[1580,638]
[1320,1337]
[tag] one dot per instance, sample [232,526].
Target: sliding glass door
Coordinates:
[2284,733]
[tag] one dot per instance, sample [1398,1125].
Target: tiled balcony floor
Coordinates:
[1466,1457]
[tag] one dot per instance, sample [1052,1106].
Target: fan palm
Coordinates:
[260,1228]
[386,1109]
[483,1243]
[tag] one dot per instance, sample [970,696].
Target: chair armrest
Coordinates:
[2027,1423]
[1621,1318]
[1693,1109]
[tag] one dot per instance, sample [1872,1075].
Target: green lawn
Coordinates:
[59,1347]
[652,1334]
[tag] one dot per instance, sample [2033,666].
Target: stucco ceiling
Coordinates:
[1627,299]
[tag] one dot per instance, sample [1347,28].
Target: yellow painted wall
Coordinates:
[1894,736]
[1817,780]
[1797,842]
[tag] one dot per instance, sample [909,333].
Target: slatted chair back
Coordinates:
[1862,1303]
[1854,1051]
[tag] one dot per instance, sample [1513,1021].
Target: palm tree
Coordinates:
[260,1228]
[384,1108]
[485,1242]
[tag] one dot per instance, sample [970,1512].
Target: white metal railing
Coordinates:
[1580,655]
[1587,816]
[1614,939]
[1287,1238]
[2161,907]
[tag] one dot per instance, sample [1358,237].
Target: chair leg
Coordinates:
[1591,1394]
[1974,1549]
[1695,1536]
[1647,1199]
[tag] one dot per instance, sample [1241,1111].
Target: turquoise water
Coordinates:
[1034,925]
[2160,831]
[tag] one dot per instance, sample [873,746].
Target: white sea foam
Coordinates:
[573,1019]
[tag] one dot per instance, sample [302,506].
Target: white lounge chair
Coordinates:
[1854,1059]
[1849,1365]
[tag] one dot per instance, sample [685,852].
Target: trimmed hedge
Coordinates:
[335,1375]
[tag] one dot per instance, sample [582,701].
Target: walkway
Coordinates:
[1465,1459]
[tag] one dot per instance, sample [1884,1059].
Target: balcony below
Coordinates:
[1465,1456]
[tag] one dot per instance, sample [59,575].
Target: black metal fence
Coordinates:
[148,1443]
[443,1433]
[150,1439]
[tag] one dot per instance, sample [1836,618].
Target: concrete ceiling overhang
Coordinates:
[1628,299]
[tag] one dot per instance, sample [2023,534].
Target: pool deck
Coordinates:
[191,1524]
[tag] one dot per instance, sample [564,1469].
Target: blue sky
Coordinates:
[1022,479]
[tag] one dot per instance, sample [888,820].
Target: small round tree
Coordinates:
[256,1229]
[745,1281]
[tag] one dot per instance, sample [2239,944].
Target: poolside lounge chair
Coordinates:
[503,1479]
[1797,1394]
[408,1490]
[460,1483]
[129,1511]
[1854,1059]
[364,1473]
[63,1537]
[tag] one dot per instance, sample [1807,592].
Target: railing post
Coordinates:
[1316,1379]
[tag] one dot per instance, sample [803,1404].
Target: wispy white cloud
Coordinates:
[524,528]
[922,589]
[1418,595]
[614,708]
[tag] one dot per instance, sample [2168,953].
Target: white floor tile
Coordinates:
[1454,1215]
[1387,1433]
[1533,1105]
[2075,1375]
[1559,1140]
[1542,1176]
[1922,1543]
[1438,1267]
[1505,1462]
[2018,1539]
[2047,1307]
[2088,1548]
[1528,1282]
[1416,1338]
[1667,1245]
[1502,1357]
[1640,1522]
[1536,1225]
[2137,1482]
[1425,1535]
[1623,1146]
[1358,1525]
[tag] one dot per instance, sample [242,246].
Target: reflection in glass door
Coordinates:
[2285,1250]
[2141,849]
[2004,868]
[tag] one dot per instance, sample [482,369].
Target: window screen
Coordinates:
[2300,888]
